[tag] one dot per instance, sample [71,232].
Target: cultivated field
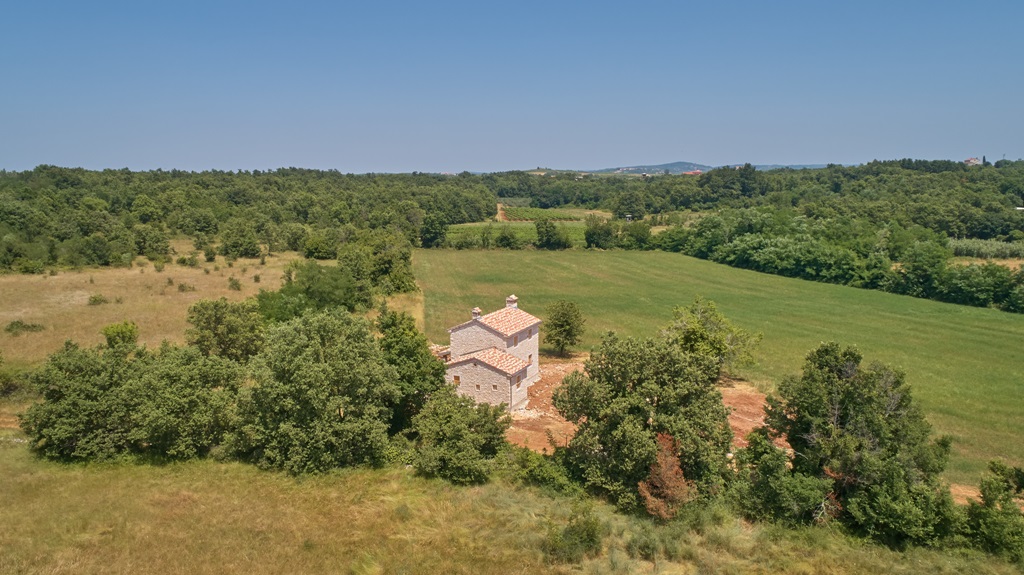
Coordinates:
[525,231]
[965,364]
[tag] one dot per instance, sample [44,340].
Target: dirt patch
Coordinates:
[746,409]
[9,421]
[501,213]
[964,493]
[538,424]
[531,426]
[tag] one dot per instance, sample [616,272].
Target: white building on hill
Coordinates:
[493,358]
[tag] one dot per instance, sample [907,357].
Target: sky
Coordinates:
[442,86]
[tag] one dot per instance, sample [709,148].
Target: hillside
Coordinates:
[962,362]
[672,168]
[683,167]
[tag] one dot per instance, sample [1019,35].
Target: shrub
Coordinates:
[98,299]
[420,373]
[458,437]
[231,330]
[767,490]
[564,326]
[9,384]
[644,545]
[184,287]
[997,523]
[118,399]
[539,470]
[581,537]
[552,237]
[320,399]
[634,389]
[18,327]
[190,260]
[234,284]
[858,428]
[666,489]
[507,239]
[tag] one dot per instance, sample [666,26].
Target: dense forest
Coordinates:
[891,225]
[71,217]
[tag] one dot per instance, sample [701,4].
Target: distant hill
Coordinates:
[683,167]
[766,167]
[673,168]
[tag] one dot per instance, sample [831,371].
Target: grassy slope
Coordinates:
[209,517]
[965,364]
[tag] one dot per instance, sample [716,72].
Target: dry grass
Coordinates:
[141,294]
[209,517]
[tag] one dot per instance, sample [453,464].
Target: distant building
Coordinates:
[493,358]
[972,162]
[693,173]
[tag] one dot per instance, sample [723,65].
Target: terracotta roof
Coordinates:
[494,357]
[509,320]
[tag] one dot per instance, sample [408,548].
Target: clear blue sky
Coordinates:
[482,86]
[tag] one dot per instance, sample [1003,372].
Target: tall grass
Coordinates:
[224,518]
[963,363]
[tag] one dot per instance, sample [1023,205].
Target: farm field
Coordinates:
[525,231]
[964,363]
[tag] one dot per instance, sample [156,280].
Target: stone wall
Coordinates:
[494,386]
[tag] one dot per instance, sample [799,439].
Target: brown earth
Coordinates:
[501,213]
[531,426]
[9,421]
[536,426]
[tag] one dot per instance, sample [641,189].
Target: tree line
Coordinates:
[53,216]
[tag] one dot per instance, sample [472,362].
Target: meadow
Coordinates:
[963,363]
[76,304]
[217,517]
[525,231]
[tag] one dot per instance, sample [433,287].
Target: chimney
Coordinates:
[512,301]
[476,313]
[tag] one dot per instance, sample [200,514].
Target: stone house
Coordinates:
[493,358]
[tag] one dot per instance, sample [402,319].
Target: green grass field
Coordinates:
[525,231]
[966,364]
[527,214]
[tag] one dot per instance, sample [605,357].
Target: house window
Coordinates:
[529,359]
[478,387]
[519,378]
[494,387]
[518,385]
[456,380]
[529,333]
[515,341]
